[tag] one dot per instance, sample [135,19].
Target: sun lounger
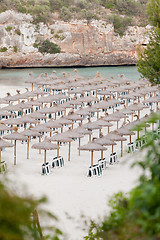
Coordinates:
[57,162]
[102,163]
[3,166]
[131,147]
[113,158]
[46,169]
[95,170]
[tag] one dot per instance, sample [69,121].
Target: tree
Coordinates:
[149,58]
[136,215]
[19,219]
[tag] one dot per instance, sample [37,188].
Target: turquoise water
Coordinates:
[17,77]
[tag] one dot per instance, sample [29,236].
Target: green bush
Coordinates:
[18,32]
[47,47]
[3,49]
[15,49]
[120,23]
[8,29]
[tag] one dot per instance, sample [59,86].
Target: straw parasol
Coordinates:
[60,137]
[92,146]
[45,145]
[41,128]
[30,133]
[15,136]
[3,127]
[116,137]
[56,108]
[31,80]
[105,142]
[4,144]
[53,124]
[125,132]
[73,134]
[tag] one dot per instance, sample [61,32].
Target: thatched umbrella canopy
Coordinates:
[4,113]
[73,134]
[60,137]
[13,121]
[88,99]
[15,136]
[11,108]
[31,80]
[48,99]
[37,115]
[138,107]
[105,142]
[92,146]
[45,145]
[2,101]
[27,119]
[30,133]
[8,98]
[52,124]
[3,127]
[4,144]
[155,99]
[56,108]
[102,123]
[125,132]
[116,137]
[64,121]
[74,117]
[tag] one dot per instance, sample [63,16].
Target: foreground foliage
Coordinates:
[136,215]
[19,219]
[149,57]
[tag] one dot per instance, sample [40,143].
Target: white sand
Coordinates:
[70,192]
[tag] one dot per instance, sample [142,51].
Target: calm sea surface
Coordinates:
[16,77]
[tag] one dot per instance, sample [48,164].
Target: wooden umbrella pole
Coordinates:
[97,115]
[79,146]
[39,142]
[108,129]
[132,117]
[14,152]
[69,152]
[138,113]
[100,132]
[130,138]
[117,123]
[152,126]
[89,137]
[55,116]
[102,155]
[45,156]
[138,134]
[121,148]
[28,148]
[113,109]
[112,149]
[61,129]
[58,149]
[92,158]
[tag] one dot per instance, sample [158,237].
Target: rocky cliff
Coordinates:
[81,44]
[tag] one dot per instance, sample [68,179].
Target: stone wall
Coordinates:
[81,44]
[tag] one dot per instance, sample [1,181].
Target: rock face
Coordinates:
[81,44]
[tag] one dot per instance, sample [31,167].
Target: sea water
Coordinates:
[17,77]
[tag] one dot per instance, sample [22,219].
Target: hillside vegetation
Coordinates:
[122,13]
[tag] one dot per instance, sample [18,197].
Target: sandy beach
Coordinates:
[72,196]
